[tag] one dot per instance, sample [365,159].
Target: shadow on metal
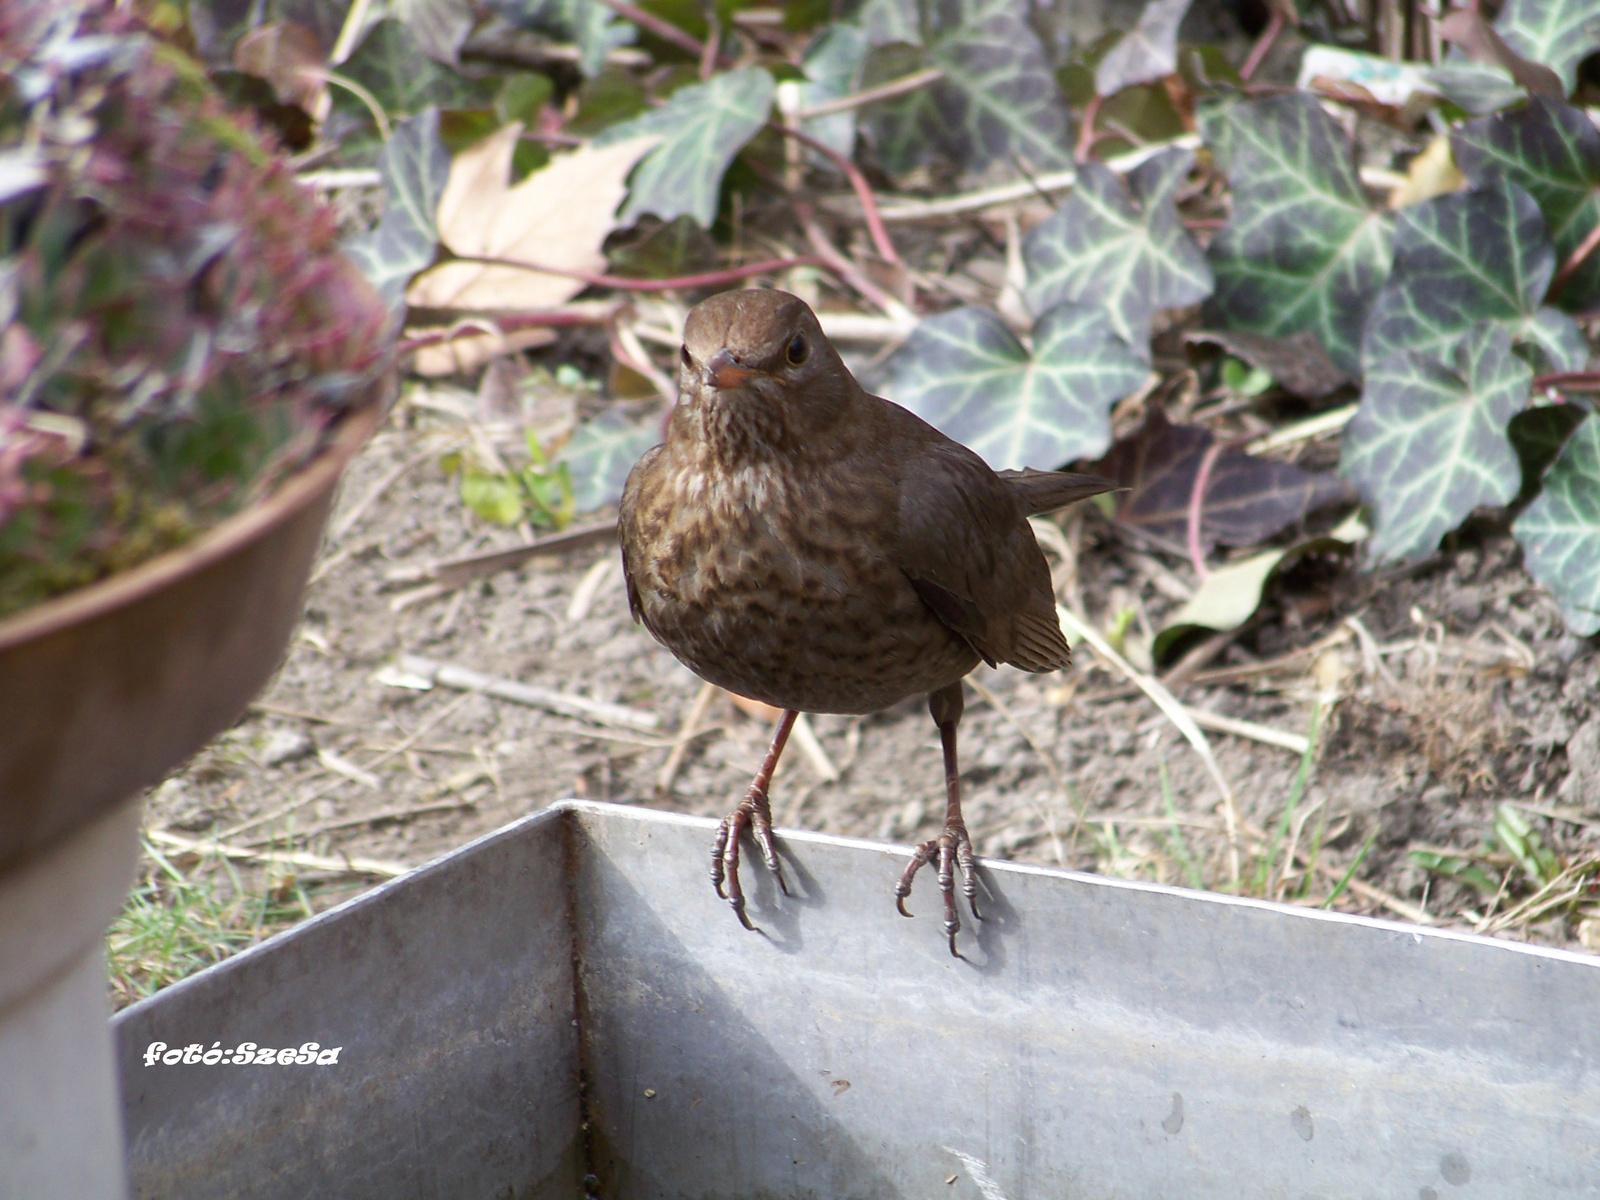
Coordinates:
[564,1008]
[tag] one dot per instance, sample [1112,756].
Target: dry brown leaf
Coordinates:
[289,58]
[559,216]
[465,354]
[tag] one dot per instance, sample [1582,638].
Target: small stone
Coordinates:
[649,1093]
[286,745]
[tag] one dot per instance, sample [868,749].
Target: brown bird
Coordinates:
[804,543]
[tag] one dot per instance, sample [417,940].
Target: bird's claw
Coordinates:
[952,852]
[755,815]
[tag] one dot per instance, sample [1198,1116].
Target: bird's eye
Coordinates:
[796,350]
[683,354]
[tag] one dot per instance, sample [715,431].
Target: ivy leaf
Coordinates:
[1560,531]
[1466,257]
[1558,33]
[592,27]
[1538,433]
[967,374]
[1552,150]
[602,452]
[392,66]
[1247,499]
[1476,88]
[1130,255]
[439,26]
[1302,251]
[1429,443]
[997,101]
[1146,52]
[832,64]
[415,167]
[703,127]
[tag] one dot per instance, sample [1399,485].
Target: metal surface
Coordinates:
[1103,1040]
[104,690]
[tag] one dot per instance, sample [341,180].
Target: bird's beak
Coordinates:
[722,370]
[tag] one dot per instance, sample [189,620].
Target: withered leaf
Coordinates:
[1298,362]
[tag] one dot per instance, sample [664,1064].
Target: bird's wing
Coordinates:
[1046,491]
[627,522]
[965,544]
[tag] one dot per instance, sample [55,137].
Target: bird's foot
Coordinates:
[754,814]
[951,851]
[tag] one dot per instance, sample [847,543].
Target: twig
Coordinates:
[1269,35]
[691,729]
[663,29]
[884,91]
[568,705]
[858,182]
[846,270]
[709,56]
[500,323]
[332,180]
[454,572]
[1568,381]
[279,711]
[1248,729]
[1328,422]
[806,738]
[1080,152]
[625,348]
[1197,496]
[1176,713]
[1575,261]
[708,279]
[383,814]
[343,864]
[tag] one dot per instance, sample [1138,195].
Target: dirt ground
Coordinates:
[1444,690]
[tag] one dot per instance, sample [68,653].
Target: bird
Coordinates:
[799,541]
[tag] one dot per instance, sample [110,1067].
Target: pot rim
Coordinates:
[95,599]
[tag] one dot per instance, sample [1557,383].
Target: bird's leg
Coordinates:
[952,849]
[755,814]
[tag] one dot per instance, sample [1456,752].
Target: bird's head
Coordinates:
[756,366]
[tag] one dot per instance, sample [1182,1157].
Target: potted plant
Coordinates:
[186,363]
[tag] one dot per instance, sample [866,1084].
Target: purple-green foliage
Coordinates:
[178,329]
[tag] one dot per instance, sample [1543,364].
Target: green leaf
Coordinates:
[1456,868]
[1146,52]
[415,167]
[703,127]
[998,100]
[1537,433]
[1552,150]
[602,452]
[392,66]
[1476,87]
[1130,255]
[1429,442]
[832,64]
[1302,251]
[1560,531]
[1558,33]
[967,374]
[592,27]
[1466,257]
[497,498]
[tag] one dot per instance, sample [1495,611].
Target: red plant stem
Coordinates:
[1569,381]
[1197,496]
[621,283]
[1575,260]
[858,181]
[709,56]
[663,29]
[1086,136]
[1263,44]
[835,261]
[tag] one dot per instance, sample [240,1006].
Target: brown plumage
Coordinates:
[804,543]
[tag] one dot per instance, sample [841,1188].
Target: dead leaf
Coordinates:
[1431,173]
[289,57]
[1299,363]
[559,216]
[1247,499]
[465,354]
[1468,29]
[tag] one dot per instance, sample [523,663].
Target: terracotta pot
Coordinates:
[104,690]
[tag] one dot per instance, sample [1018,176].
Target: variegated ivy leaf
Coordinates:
[1476,88]
[1552,150]
[703,126]
[1560,531]
[1466,257]
[1147,51]
[415,167]
[832,64]
[998,99]
[602,452]
[967,374]
[1127,254]
[1557,33]
[1302,251]
[392,66]
[593,27]
[1429,443]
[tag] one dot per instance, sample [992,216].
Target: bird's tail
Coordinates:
[1046,491]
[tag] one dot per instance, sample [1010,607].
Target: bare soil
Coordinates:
[1448,688]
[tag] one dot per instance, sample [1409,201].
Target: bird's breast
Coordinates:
[783,588]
